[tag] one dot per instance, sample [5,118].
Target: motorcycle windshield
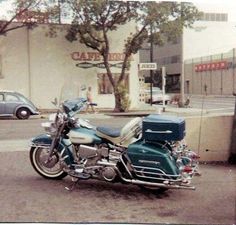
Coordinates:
[73,106]
[71,97]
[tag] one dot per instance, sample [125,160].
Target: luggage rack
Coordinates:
[144,172]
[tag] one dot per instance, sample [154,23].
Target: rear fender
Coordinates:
[64,147]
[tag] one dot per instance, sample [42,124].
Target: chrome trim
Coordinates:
[156,178]
[122,161]
[65,157]
[159,132]
[105,163]
[62,152]
[39,146]
[150,168]
[144,183]
[147,161]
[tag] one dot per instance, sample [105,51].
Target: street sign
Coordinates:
[147,66]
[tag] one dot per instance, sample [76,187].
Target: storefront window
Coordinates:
[104,84]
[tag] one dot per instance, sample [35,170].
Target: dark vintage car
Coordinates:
[15,104]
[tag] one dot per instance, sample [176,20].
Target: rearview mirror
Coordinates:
[55,102]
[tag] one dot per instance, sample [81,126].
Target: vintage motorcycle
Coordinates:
[141,153]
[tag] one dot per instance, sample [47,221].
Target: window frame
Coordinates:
[126,80]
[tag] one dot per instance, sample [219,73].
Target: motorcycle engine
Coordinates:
[109,173]
[100,156]
[92,154]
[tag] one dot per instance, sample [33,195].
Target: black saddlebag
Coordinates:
[163,128]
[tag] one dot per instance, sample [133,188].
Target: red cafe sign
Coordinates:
[95,56]
[221,65]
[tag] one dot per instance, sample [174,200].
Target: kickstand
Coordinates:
[72,186]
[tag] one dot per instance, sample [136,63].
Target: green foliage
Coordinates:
[94,19]
[124,97]
[28,13]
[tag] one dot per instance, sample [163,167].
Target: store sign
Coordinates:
[87,65]
[84,65]
[147,66]
[95,56]
[221,65]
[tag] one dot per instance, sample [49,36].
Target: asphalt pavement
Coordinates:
[26,197]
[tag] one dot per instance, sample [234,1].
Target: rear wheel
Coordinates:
[156,190]
[23,113]
[51,169]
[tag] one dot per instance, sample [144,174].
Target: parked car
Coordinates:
[157,96]
[15,104]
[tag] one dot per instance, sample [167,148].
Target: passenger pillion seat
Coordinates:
[124,136]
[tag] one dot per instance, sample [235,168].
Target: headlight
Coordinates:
[52,117]
[49,127]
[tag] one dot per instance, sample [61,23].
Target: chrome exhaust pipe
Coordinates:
[169,186]
[161,185]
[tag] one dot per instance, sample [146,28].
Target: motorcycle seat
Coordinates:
[123,136]
[112,132]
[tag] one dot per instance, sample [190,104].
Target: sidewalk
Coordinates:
[159,110]
[141,110]
[18,145]
[145,111]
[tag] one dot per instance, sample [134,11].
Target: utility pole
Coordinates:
[163,71]
[232,156]
[59,10]
[151,60]
[182,97]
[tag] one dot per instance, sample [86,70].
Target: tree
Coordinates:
[20,8]
[93,20]
[27,13]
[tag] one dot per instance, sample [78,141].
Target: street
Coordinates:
[27,197]
[213,103]
[26,129]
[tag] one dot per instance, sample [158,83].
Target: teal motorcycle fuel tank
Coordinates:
[84,136]
[151,158]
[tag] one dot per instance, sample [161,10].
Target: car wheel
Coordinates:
[23,113]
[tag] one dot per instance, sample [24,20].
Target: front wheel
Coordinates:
[48,169]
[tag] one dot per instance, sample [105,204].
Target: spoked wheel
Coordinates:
[50,169]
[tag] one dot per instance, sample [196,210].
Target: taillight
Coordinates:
[195,156]
[187,169]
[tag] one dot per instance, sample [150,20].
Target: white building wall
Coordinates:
[14,62]
[40,67]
